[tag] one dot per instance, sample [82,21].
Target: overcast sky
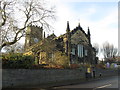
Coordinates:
[101,17]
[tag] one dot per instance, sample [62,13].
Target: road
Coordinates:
[108,83]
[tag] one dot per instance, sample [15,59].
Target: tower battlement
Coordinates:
[34,34]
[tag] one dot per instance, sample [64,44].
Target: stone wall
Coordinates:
[34,77]
[106,72]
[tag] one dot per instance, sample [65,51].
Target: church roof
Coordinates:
[72,32]
[52,36]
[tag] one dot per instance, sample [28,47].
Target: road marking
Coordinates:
[102,86]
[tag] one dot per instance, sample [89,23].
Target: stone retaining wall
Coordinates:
[33,77]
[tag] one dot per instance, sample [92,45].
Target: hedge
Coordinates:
[17,61]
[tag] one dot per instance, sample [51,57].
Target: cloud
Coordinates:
[101,30]
[64,14]
[91,10]
[105,31]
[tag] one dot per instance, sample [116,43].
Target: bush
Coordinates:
[17,61]
[60,59]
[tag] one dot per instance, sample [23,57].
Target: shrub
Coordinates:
[16,61]
[61,59]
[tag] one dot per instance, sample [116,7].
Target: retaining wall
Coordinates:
[33,77]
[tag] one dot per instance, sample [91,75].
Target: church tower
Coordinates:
[89,36]
[34,34]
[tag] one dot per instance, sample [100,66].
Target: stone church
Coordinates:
[76,44]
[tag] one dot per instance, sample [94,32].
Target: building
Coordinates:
[76,44]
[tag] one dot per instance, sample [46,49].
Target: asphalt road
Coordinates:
[107,83]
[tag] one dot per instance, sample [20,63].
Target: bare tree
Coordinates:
[15,48]
[16,15]
[109,51]
[96,46]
